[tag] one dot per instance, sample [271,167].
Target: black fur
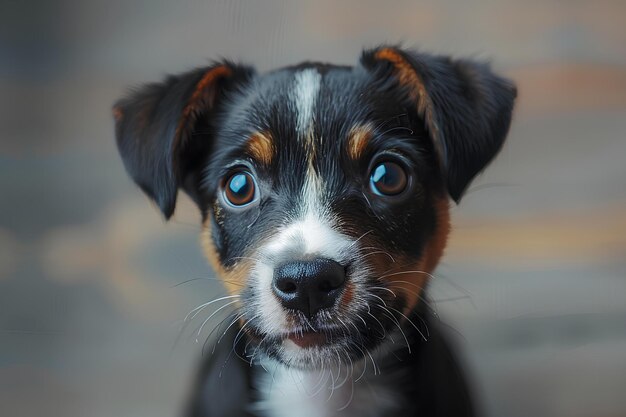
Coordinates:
[468,117]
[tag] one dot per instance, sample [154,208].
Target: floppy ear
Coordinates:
[155,125]
[466,108]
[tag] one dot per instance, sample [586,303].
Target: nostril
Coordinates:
[287,286]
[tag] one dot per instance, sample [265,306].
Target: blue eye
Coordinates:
[388,179]
[240,189]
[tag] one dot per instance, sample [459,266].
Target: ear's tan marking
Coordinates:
[358,140]
[234,278]
[118,115]
[410,78]
[203,96]
[261,147]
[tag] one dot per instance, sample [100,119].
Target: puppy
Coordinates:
[324,197]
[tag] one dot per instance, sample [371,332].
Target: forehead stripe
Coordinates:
[306,89]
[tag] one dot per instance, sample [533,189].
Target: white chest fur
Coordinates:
[288,392]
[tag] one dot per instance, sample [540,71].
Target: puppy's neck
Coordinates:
[367,387]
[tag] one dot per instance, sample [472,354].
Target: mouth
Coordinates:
[318,340]
[306,340]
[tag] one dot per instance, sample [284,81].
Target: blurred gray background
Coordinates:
[534,279]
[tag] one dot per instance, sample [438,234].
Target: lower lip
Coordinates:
[308,339]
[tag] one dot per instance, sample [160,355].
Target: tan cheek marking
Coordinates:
[409,77]
[432,252]
[234,278]
[437,244]
[358,140]
[425,265]
[399,277]
[261,147]
[347,296]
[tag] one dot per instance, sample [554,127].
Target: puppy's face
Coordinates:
[325,211]
[324,190]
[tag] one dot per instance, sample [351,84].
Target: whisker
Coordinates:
[408,272]
[382,252]
[360,237]
[396,322]
[381,300]
[201,307]
[397,128]
[386,289]
[232,350]
[419,296]
[378,321]
[211,316]
[443,300]
[364,365]
[235,320]
[232,316]
[207,279]
[370,206]
[373,363]
[187,320]
[233,258]
[411,322]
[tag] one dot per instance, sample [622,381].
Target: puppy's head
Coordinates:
[323,189]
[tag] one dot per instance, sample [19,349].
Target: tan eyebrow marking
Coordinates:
[358,139]
[261,147]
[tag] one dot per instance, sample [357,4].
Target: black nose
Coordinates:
[309,286]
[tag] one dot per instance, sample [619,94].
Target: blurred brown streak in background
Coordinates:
[534,277]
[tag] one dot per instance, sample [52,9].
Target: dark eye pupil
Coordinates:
[240,189]
[388,178]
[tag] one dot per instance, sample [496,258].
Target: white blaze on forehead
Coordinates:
[312,196]
[306,89]
[312,231]
[313,221]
